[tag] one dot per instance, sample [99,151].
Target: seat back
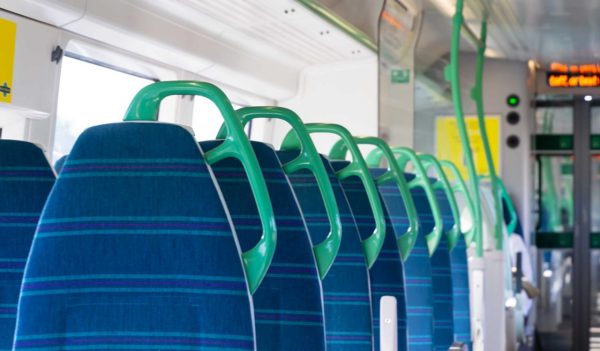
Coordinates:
[135,250]
[417,270]
[458,255]
[386,273]
[346,286]
[288,304]
[58,165]
[441,269]
[460,293]
[26,179]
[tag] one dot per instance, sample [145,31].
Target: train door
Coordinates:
[567,182]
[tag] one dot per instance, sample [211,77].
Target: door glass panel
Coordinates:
[595,120]
[554,238]
[595,300]
[595,195]
[595,238]
[554,184]
[554,120]
[554,306]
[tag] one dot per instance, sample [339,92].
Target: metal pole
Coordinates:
[581,243]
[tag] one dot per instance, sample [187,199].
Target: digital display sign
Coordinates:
[562,75]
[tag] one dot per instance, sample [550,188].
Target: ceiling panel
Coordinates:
[281,28]
[543,30]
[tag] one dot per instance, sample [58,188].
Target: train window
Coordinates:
[12,125]
[207,119]
[90,94]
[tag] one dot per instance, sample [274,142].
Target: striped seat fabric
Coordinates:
[442,280]
[288,304]
[134,250]
[386,274]
[26,179]
[346,285]
[461,314]
[417,272]
[58,165]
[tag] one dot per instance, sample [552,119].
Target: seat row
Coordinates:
[148,239]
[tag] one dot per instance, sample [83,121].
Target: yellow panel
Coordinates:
[8,36]
[448,146]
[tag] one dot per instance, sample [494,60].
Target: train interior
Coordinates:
[281,175]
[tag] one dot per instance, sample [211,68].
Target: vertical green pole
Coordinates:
[452,75]
[477,96]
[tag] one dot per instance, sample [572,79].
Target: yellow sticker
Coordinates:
[8,36]
[448,146]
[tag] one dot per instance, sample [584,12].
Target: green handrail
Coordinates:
[431,162]
[403,156]
[144,107]
[307,159]
[477,96]
[452,74]
[357,167]
[460,187]
[407,240]
[510,206]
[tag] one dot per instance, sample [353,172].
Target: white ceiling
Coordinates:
[260,46]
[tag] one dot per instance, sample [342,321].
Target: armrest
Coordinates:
[388,324]
[458,346]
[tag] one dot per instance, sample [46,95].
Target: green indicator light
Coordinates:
[513,100]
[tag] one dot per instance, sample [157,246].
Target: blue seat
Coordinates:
[134,250]
[386,274]
[417,268]
[346,286]
[26,179]
[459,270]
[58,165]
[442,278]
[288,304]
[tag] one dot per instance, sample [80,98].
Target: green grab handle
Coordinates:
[144,107]
[460,187]
[309,159]
[443,184]
[406,241]
[514,218]
[403,156]
[358,167]
[452,74]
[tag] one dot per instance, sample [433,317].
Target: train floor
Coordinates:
[554,341]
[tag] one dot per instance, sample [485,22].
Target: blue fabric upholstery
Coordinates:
[346,285]
[442,279]
[460,279]
[25,182]
[417,271]
[288,304]
[58,165]
[134,250]
[386,274]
